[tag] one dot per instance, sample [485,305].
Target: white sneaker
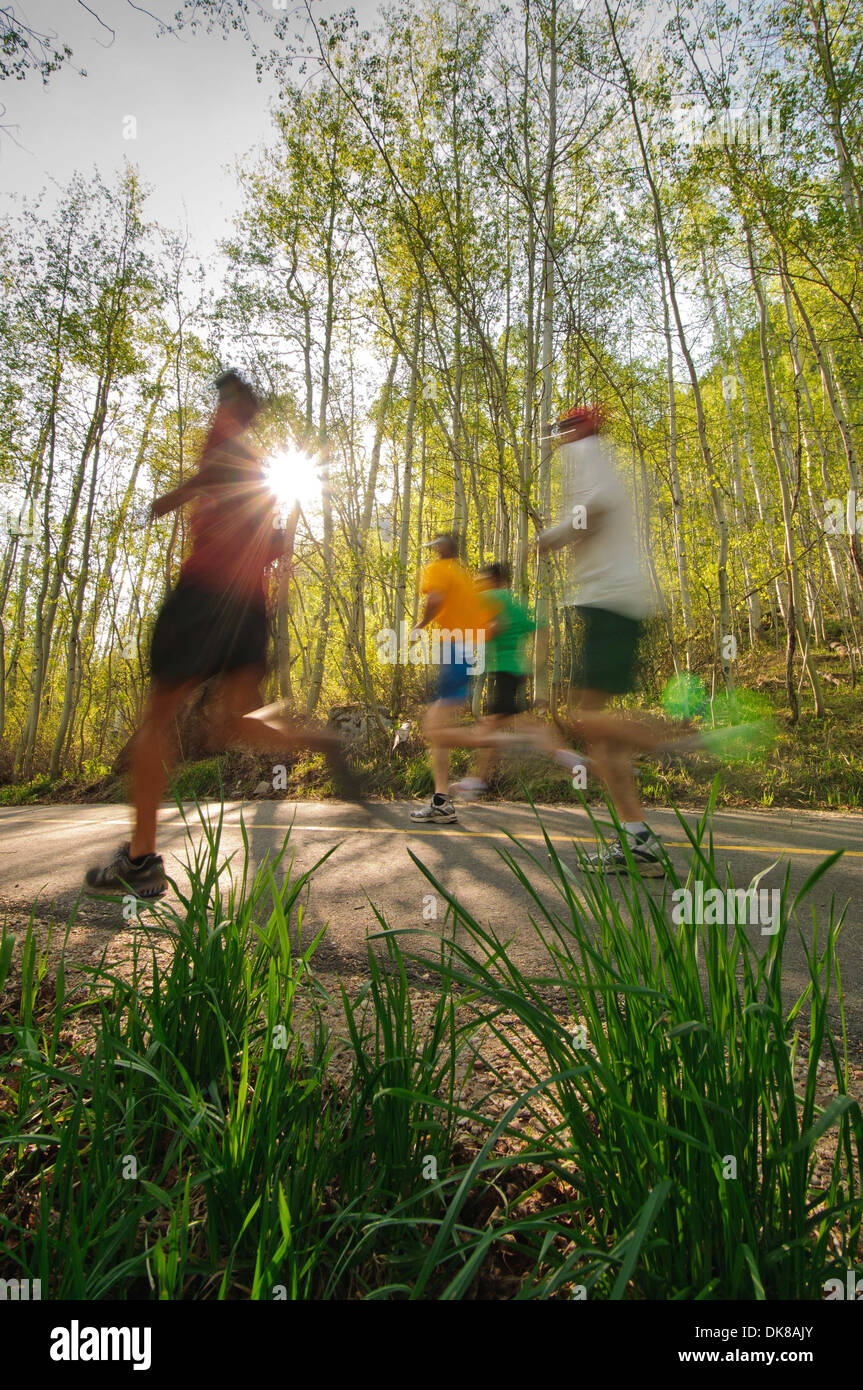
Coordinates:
[647,852]
[436,815]
[469,784]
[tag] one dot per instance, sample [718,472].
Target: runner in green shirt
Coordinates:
[506,650]
[508,665]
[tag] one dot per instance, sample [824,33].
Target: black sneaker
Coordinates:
[645,850]
[436,814]
[145,879]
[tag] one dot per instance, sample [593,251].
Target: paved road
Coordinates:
[44,851]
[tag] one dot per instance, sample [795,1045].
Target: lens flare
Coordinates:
[684,697]
[293,476]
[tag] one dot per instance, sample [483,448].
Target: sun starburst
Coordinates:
[293,476]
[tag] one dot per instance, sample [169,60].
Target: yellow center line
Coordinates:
[458,831]
[461,833]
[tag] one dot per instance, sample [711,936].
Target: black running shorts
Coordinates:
[607,657]
[200,633]
[506,692]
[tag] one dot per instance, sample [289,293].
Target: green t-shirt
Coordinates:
[507,649]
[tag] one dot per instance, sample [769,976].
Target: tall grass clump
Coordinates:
[193,1143]
[686,1094]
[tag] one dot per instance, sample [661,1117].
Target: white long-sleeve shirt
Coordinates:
[603,565]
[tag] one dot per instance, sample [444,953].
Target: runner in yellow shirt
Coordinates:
[457,646]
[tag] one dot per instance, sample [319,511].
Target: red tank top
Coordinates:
[233,539]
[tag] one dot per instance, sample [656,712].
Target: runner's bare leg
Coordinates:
[612,760]
[441,737]
[152,754]
[487,755]
[245,721]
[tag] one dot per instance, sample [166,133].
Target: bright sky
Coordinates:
[195,99]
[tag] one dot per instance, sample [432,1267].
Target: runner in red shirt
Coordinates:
[213,623]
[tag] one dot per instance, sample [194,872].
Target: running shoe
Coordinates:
[469,785]
[145,879]
[442,813]
[645,849]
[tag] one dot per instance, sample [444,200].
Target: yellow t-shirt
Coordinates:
[464,607]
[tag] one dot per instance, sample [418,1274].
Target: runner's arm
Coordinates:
[433,605]
[565,533]
[216,466]
[178,496]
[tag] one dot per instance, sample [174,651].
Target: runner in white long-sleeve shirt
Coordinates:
[607,587]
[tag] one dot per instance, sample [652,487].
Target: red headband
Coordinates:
[593,415]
